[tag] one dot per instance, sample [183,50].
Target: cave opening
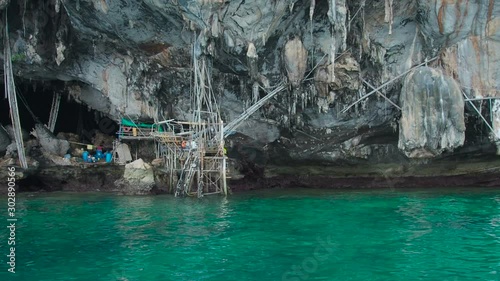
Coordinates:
[35,102]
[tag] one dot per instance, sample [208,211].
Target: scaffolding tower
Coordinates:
[193,151]
[193,157]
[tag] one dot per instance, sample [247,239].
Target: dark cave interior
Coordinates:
[77,118]
[73,117]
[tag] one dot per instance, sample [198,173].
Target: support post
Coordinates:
[54,111]
[223,175]
[10,90]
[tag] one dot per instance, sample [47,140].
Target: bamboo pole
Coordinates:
[485,98]
[249,111]
[54,111]
[223,176]
[480,115]
[386,83]
[10,90]
[384,96]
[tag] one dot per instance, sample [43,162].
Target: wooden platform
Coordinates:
[137,137]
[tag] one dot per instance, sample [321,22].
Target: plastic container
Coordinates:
[109,157]
[85,155]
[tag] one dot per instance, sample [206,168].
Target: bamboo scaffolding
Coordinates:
[204,136]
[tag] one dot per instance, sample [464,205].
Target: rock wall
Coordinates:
[49,142]
[4,139]
[133,58]
[432,118]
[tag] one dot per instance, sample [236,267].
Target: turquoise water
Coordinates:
[266,235]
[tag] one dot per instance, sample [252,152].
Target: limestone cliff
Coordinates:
[133,58]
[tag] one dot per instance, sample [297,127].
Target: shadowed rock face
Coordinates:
[133,58]
[49,142]
[4,3]
[432,118]
[4,139]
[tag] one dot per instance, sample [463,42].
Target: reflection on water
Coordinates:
[265,235]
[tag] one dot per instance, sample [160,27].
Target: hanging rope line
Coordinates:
[25,103]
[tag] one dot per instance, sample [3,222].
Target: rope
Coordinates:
[25,103]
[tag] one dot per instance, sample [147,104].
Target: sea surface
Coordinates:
[294,234]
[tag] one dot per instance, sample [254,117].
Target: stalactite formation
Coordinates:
[389,17]
[295,58]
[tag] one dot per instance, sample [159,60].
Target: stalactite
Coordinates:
[332,12]
[311,14]
[24,13]
[364,33]
[215,28]
[255,92]
[313,94]
[293,104]
[496,123]
[311,10]
[342,23]
[252,59]
[295,57]
[331,66]
[389,17]
[361,93]
[242,88]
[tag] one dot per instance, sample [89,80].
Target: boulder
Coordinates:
[4,139]
[103,139]
[138,178]
[11,150]
[432,119]
[3,4]
[68,136]
[158,162]
[57,160]
[10,131]
[295,59]
[49,142]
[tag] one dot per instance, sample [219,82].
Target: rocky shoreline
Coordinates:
[475,172]
[370,94]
